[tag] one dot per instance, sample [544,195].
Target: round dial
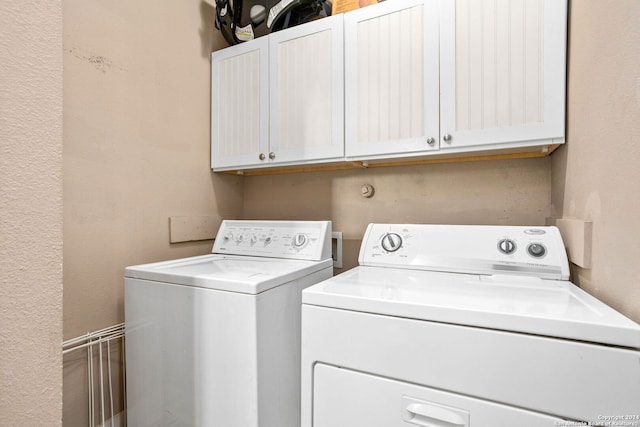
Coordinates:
[228,236]
[536,250]
[391,242]
[299,240]
[507,246]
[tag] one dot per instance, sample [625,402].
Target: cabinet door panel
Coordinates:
[502,71]
[391,78]
[239,105]
[306,98]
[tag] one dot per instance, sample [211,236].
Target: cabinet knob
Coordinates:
[431,141]
[272,155]
[261,156]
[447,137]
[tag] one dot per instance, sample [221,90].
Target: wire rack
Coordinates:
[98,345]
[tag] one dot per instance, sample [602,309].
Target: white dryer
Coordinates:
[214,340]
[464,325]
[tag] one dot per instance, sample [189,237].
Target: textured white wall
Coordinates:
[30,213]
[596,175]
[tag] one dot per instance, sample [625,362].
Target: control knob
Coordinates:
[507,246]
[391,242]
[536,250]
[299,240]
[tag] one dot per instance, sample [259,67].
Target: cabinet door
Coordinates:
[391,79]
[239,105]
[502,72]
[306,92]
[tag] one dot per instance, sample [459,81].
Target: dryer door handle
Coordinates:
[431,415]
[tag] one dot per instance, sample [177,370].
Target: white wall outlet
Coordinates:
[336,248]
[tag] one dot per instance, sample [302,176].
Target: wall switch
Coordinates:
[336,248]
[577,236]
[193,228]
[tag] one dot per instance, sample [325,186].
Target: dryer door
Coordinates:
[343,397]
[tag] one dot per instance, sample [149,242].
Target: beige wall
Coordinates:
[596,176]
[136,151]
[30,213]
[483,192]
[136,105]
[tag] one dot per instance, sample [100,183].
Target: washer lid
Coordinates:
[510,303]
[248,275]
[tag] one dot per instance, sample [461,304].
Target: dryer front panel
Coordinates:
[342,397]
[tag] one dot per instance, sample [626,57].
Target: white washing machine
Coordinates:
[464,325]
[214,340]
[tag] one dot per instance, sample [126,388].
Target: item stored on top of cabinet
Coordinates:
[244,20]
[342,6]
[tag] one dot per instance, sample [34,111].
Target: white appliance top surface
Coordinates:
[510,303]
[249,257]
[233,273]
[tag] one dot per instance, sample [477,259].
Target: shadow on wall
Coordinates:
[228,191]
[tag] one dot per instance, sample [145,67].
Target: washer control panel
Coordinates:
[307,240]
[478,249]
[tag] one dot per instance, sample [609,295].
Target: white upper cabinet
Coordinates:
[391,79]
[240,105]
[399,79]
[279,100]
[502,72]
[307,92]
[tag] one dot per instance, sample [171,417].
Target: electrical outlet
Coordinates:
[336,248]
